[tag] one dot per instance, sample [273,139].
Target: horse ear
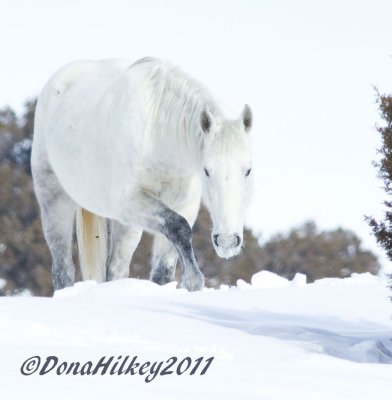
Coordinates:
[206,120]
[247,118]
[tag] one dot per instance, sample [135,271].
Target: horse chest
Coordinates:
[173,190]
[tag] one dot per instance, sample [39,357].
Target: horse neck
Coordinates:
[176,121]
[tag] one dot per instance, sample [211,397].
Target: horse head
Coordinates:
[227,178]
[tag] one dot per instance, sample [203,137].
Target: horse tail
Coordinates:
[92,246]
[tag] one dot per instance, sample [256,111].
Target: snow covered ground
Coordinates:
[273,339]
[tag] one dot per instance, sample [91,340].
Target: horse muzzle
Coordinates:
[227,246]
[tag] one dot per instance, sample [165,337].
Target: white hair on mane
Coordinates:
[177,102]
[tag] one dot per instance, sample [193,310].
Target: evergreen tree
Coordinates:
[383,229]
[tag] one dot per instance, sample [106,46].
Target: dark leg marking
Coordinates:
[178,231]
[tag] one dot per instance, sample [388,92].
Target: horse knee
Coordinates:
[178,231]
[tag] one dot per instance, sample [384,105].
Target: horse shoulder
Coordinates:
[179,191]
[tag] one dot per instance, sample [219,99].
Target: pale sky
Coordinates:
[305,67]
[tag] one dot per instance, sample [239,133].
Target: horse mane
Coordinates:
[177,102]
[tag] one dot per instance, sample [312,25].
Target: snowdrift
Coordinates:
[271,339]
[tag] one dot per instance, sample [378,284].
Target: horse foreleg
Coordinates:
[152,214]
[164,254]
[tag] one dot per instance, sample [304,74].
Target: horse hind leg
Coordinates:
[57,215]
[124,240]
[163,261]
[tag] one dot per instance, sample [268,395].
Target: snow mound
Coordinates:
[268,280]
[355,279]
[271,339]
[299,280]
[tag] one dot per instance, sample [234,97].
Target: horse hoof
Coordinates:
[194,283]
[162,278]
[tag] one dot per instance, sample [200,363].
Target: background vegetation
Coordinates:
[383,229]
[25,262]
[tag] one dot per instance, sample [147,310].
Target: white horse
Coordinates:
[138,145]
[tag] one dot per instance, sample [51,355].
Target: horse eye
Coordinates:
[206,172]
[248,172]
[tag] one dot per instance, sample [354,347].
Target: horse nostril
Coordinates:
[216,240]
[238,241]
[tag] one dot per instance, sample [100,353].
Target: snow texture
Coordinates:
[271,339]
